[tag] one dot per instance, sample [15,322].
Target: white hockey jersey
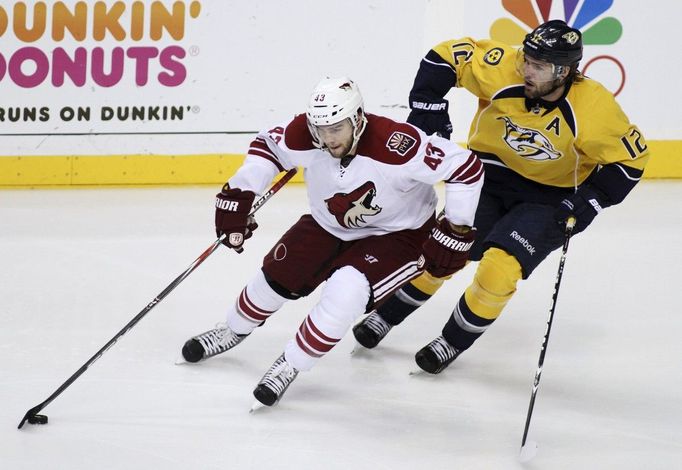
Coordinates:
[388,185]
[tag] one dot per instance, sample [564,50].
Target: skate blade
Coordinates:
[257,406]
[416,372]
[180,361]
[358,348]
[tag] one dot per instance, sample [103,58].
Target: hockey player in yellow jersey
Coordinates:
[554,144]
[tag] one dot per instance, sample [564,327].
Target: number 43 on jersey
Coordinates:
[433,156]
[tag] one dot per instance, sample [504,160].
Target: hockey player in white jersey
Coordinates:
[371,226]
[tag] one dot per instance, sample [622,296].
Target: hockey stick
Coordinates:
[32,415]
[530,448]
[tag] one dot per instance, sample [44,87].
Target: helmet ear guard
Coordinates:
[332,101]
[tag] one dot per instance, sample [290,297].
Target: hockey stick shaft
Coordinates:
[543,350]
[195,264]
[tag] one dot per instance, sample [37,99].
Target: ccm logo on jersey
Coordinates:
[350,209]
[429,106]
[400,143]
[231,206]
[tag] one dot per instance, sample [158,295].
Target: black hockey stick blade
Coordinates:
[33,417]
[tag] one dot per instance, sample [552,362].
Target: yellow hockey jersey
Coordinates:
[557,144]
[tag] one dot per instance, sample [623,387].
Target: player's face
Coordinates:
[541,79]
[338,138]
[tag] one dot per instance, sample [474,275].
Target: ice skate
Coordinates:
[370,331]
[275,382]
[210,343]
[436,356]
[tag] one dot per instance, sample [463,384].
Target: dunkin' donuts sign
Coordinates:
[94,43]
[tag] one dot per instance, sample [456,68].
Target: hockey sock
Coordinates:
[409,298]
[493,285]
[343,300]
[256,302]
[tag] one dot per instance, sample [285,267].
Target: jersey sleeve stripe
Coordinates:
[633,175]
[470,172]
[260,149]
[433,58]
[261,145]
[268,157]
[471,179]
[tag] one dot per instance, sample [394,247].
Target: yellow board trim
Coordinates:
[665,162]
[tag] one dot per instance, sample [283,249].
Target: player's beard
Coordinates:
[341,150]
[543,89]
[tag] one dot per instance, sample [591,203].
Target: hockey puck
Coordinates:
[37,419]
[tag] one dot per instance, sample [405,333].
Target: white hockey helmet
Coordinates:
[332,101]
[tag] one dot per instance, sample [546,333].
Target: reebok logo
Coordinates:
[231,206]
[523,241]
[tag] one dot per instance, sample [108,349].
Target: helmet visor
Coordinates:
[537,71]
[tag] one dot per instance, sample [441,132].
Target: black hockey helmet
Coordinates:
[554,42]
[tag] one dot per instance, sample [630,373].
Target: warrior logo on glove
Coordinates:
[350,209]
[446,250]
[236,239]
[451,243]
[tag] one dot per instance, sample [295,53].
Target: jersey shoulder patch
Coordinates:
[297,135]
[388,141]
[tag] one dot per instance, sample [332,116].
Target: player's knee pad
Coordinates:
[256,302]
[344,298]
[428,284]
[262,295]
[494,283]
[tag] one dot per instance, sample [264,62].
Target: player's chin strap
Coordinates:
[32,415]
[358,129]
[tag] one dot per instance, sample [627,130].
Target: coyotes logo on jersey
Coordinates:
[350,209]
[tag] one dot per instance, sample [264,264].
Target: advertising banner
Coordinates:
[199,77]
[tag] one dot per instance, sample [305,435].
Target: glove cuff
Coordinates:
[593,197]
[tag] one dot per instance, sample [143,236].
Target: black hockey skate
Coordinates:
[436,356]
[211,343]
[370,331]
[275,382]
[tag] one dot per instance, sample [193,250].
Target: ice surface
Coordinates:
[77,265]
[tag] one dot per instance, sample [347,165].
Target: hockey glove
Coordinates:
[446,251]
[431,122]
[584,205]
[232,207]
